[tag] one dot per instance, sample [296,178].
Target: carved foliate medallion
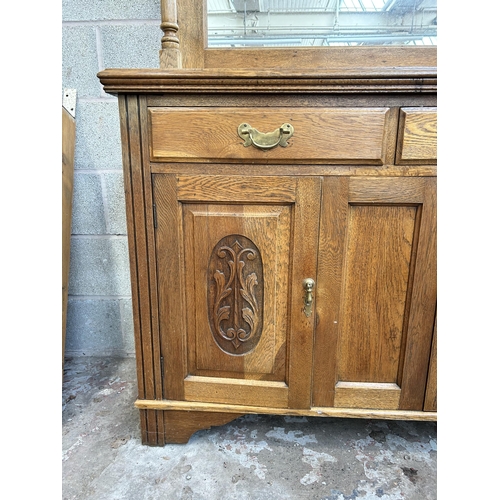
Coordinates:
[235,294]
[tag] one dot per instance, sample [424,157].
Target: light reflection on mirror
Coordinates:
[285,23]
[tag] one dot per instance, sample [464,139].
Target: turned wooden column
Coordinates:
[170,54]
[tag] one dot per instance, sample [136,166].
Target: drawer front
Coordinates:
[349,135]
[417,138]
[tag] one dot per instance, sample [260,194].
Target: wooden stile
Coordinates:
[68,158]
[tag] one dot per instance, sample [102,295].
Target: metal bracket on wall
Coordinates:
[69,101]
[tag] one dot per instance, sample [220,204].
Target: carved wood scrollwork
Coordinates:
[235,294]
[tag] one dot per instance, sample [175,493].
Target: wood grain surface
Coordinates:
[280,216]
[178,429]
[68,159]
[315,411]
[355,82]
[375,295]
[371,395]
[418,135]
[312,58]
[431,390]
[369,262]
[269,228]
[204,134]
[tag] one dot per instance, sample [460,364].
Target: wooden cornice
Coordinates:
[356,80]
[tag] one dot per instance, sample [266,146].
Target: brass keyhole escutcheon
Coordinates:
[308,285]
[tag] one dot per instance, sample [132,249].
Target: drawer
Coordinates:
[417,138]
[339,135]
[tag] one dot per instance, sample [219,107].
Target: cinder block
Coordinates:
[127,325]
[99,266]
[98,142]
[79,61]
[88,208]
[131,46]
[115,202]
[90,10]
[94,328]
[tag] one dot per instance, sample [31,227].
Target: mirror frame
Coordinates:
[193,40]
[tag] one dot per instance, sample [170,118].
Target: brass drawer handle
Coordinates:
[265,141]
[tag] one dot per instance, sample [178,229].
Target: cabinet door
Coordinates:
[232,253]
[376,292]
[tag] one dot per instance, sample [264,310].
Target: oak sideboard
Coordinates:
[282,238]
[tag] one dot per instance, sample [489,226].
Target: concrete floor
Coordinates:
[255,457]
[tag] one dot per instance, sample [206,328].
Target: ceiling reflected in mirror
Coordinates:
[315,23]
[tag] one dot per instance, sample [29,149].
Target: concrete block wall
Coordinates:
[99,34]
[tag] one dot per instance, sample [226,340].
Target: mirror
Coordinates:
[321,23]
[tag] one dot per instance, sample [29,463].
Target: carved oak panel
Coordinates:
[235,294]
[238,276]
